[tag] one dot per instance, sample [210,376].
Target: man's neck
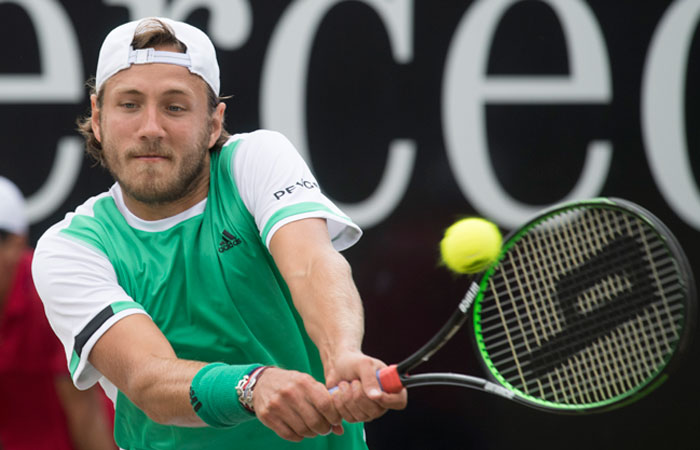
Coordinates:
[158,211]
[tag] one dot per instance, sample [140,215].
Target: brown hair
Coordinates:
[149,34]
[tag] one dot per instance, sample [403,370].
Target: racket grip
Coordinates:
[389,379]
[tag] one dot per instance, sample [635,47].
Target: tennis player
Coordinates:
[204,290]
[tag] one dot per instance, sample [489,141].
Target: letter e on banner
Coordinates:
[467,88]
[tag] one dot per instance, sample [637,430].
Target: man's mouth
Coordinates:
[150,157]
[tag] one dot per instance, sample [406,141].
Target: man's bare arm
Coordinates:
[135,356]
[324,293]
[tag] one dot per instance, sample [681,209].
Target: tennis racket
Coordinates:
[587,308]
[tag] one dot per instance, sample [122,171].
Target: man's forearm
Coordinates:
[324,293]
[329,304]
[135,356]
[161,392]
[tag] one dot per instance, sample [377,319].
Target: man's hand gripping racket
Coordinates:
[587,307]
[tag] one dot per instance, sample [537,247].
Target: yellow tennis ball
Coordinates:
[470,245]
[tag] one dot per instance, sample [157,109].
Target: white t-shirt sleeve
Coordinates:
[277,187]
[81,297]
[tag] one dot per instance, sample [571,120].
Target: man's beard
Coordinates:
[149,188]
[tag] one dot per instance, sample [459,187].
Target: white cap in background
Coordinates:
[117,54]
[13,211]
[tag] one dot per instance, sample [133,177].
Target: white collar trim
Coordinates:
[153,225]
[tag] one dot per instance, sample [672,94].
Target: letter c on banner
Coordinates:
[230,21]
[62,178]
[283,93]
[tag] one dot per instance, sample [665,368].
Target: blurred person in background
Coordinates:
[39,408]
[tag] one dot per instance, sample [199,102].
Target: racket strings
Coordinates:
[622,368]
[583,308]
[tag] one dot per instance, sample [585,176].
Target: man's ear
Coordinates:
[217,123]
[95,118]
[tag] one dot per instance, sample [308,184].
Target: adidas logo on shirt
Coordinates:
[228,241]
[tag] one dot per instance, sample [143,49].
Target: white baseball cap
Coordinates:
[117,53]
[13,211]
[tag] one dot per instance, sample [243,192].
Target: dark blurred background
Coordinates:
[413,114]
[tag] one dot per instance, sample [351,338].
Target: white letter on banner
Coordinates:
[62,178]
[141,8]
[230,21]
[283,93]
[61,80]
[467,88]
[663,104]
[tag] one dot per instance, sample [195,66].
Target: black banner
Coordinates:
[413,113]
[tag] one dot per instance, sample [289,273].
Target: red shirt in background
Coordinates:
[31,356]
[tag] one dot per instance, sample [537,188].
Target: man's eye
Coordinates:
[175,108]
[128,105]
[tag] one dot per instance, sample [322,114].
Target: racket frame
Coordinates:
[398,376]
